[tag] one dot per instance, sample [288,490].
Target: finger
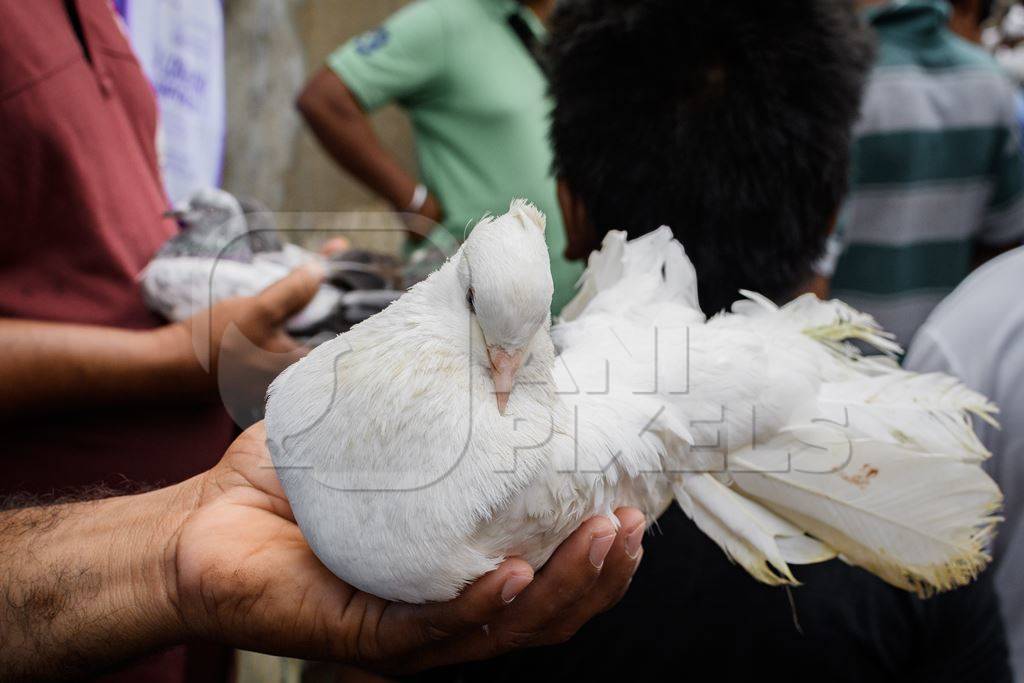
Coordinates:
[297,352]
[619,567]
[259,469]
[247,465]
[335,245]
[570,573]
[480,603]
[288,347]
[564,580]
[290,294]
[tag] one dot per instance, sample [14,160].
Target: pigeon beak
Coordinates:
[504,366]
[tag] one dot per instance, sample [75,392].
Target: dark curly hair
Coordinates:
[728,120]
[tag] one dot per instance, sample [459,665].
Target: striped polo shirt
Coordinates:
[937,167]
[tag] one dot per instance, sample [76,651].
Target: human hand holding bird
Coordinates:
[240,569]
[244,304]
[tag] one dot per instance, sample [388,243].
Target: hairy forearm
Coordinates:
[341,126]
[86,585]
[45,364]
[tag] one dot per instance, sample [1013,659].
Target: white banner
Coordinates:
[180,44]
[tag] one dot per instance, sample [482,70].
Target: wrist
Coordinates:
[418,199]
[175,362]
[143,560]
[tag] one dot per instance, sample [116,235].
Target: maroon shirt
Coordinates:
[81,213]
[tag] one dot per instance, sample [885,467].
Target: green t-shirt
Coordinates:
[479,108]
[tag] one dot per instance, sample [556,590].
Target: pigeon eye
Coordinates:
[469,300]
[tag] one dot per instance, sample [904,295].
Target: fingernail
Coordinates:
[634,541]
[514,585]
[599,548]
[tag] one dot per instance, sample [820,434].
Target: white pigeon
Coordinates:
[430,442]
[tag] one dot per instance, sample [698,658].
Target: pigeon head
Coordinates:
[213,226]
[505,273]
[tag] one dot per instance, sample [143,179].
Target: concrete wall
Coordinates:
[272,46]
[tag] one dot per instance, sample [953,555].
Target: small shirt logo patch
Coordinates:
[371,41]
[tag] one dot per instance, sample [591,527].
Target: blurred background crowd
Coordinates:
[257,67]
[395,125]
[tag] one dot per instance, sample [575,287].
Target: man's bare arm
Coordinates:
[46,364]
[219,557]
[82,585]
[342,127]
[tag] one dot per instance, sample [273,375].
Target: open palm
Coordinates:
[244,574]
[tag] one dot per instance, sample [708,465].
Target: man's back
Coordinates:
[975,335]
[936,169]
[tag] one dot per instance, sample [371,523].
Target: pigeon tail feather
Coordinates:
[880,466]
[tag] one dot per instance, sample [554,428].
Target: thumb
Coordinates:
[290,294]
